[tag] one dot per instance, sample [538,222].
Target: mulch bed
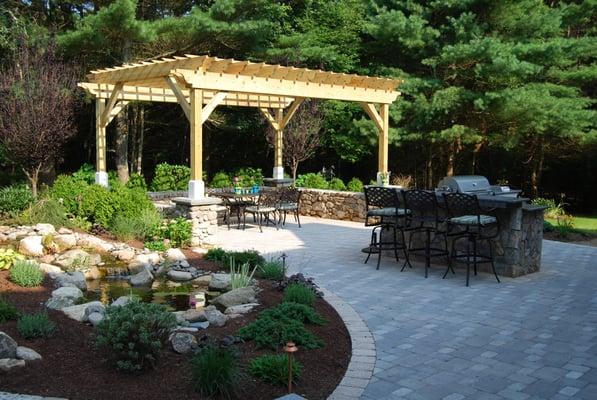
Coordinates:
[72,368]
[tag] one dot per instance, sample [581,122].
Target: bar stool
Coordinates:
[384,213]
[465,222]
[424,218]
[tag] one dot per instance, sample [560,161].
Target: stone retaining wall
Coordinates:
[348,206]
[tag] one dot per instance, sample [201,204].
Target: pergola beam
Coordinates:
[115,110]
[180,97]
[291,110]
[373,114]
[211,106]
[104,119]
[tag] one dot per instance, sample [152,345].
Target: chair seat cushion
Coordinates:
[473,220]
[387,212]
[260,209]
[288,206]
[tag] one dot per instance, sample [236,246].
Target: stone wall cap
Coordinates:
[206,201]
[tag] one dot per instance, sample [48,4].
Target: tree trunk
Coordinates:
[538,159]
[294,167]
[122,147]
[33,177]
[140,137]
[429,168]
[476,151]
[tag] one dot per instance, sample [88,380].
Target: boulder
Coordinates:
[235,297]
[179,276]
[92,273]
[8,347]
[215,317]
[51,270]
[93,308]
[219,281]
[240,309]
[27,354]
[78,259]
[31,246]
[199,325]
[203,280]
[175,254]
[143,278]
[65,242]
[6,364]
[95,318]
[95,243]
[124,254]
[194,315]
[63,297]
[183,343]
[72,279]
[153,258]
[64,231]
[77,312]
[122,301]
[44,229]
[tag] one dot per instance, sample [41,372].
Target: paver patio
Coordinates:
[533,337]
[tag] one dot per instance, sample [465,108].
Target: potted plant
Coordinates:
[384,178]
[236,185]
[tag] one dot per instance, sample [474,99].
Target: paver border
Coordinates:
[363,357]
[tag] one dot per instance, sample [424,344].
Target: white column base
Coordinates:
[196,190]
[278,173]
[101,178]
[379,179]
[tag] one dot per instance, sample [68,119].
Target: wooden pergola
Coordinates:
[201,83]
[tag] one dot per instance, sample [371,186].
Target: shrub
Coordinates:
[405,181]
[49,211]
[251,257]
[133,335]
[137,181]
[98,205]
[312,180]
[156,245]
[274,369]
[215,372]
[8,257]
[170,177]
[336,184]
[221,180]
[273,270]
[68,191]
[299,293]
[215,254]
[131,202]
[32,326]
[7,311]
[86,174]
[240,277]
[273,333]
[14,199]
[295,311]
[179,232]
[553,210]
[355,185]
[248,176]
[26,273]
[140,227]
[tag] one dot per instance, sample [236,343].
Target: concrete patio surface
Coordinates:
[533,337]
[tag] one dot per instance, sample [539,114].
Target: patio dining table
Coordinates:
[236,203]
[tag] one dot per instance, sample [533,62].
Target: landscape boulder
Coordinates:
[122,301]
[240,309]
[175,254]
[51,270]
[142,278]
[235,297]
[72,279]
[78,312]
[183,343]
[65,242]
[194,315]
[31,246]
[219,281]
[27,354]
[8,346]
[179,276]
[64,297]
[215,317]
[6,364]
[124,254]
[78,259]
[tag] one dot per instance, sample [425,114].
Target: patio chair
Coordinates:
[387,216]
[423,219]
[466,222]
[267,205]
[290,201]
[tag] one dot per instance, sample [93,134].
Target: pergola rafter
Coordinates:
[201,83]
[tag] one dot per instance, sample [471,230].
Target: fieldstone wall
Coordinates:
[204,216]
[348,206]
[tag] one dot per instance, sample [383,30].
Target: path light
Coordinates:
[289,349]
[283,257]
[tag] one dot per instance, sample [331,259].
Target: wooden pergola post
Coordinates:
[278,172]
[196,184]
[101,175]
[382,151]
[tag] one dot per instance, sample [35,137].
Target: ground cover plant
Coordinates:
[7,311]
[299,293]
[250,257]
[273,368]
[8,257]
[26,273]
[32,326]
[295,311]
[272,270]
[14,199]
[215,371]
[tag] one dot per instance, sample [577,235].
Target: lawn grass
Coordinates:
[582,223]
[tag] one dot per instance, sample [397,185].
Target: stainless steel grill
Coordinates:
[474,184]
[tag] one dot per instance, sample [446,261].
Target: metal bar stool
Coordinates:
[385,214]
[465,222]
[290,202]
[424,218]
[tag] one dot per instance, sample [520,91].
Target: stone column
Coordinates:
[203,213]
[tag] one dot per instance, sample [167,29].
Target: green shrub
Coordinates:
[215,372]
[137,181]
[49,211]
[274,333]
[336,184]
[140,227]
[14,199]
[312,180]
[274,369]
[296,311]
[85,174]
[26,273]
[251,257]
[68,191]
[8,257]
[215,254]
[548,226]
[98,205]
[553,210]
[248,176]
[133,335]
[273,270]
[170,177]
[180,232]
[123,227]
[156,245]
[299,293]
[221,180]
[131,202]
[7,311]
[355,185]
[32,326]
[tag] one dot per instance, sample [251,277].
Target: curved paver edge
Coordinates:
[362,360]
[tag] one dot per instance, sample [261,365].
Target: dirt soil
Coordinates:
[573,237]
[71,367]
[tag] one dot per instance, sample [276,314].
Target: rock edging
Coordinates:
[362,360]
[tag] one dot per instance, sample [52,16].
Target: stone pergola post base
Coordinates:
[101,178]
[203,213]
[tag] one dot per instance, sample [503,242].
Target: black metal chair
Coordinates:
[236,208]
[466,222]
[424,218]
[267,205]
[290,202]
[385,213]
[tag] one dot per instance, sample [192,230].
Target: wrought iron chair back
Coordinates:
[269,198]
[289,195]
[459,204]
[423,208]
[380,197]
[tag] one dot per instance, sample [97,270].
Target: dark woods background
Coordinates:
[499,88]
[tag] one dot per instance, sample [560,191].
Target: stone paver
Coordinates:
[532,337]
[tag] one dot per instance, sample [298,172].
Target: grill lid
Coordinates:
[464,184]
